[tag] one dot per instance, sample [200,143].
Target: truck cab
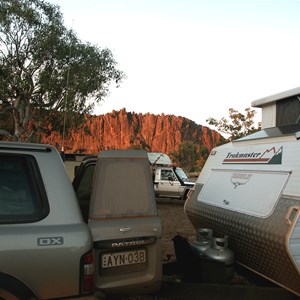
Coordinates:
[169,181]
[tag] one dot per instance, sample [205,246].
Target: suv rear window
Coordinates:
[22,193]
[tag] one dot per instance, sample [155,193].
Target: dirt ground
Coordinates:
[174,222]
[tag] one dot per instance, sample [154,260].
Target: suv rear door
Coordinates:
[123,220]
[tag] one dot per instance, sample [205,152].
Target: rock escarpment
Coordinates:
[127,130]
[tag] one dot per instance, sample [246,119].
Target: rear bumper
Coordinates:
[98,295]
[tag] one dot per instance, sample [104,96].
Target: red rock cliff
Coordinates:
[125,130]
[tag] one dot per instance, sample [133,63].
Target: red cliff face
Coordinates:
[125,130]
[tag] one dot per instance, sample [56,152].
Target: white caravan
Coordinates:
[249,189]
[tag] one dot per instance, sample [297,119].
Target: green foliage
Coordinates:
[45,68]
[189,156]
[238,125]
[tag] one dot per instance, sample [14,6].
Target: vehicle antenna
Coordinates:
[66,100]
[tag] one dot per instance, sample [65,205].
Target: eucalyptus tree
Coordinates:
[46,70]
[190,156]
[238,125]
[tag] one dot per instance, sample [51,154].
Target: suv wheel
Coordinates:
[14,295]
[15,291]
[7,295]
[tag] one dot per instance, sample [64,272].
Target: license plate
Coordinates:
[124,258]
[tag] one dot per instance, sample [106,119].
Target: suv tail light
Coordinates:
[87,278]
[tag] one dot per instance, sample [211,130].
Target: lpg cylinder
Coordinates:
[203,242]
[219,251]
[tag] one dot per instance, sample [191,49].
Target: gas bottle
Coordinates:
[203,242]
[219,251]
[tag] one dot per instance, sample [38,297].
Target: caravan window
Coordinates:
[288,111]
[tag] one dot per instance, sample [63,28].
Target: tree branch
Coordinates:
[6,109]
[5,133]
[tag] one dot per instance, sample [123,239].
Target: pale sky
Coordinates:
[192,58]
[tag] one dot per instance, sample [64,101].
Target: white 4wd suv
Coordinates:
[116,196]
[46,248]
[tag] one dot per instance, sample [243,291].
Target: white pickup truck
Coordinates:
[169,181]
